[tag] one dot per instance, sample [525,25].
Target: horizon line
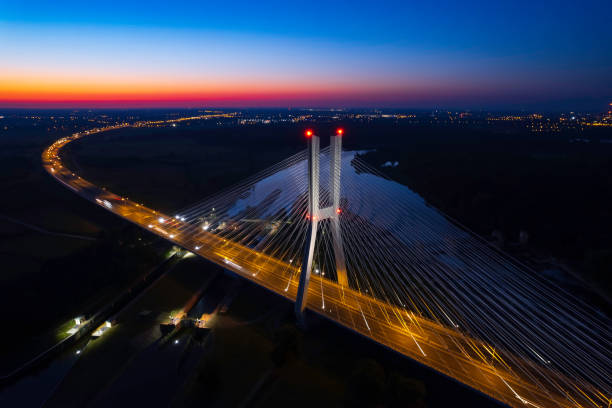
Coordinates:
[123,107]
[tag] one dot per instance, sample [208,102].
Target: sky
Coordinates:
[480,54]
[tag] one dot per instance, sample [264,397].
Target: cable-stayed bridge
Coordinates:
[328,231]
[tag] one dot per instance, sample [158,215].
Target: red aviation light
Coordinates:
[338,211]
[340,131]
[308,133]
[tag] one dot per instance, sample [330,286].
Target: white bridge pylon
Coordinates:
[317,214]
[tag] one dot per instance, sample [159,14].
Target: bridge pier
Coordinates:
[334,185]
[316,214]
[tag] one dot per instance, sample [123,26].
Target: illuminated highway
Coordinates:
[440,347]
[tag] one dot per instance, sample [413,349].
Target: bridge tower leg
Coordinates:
[334,183]
[317,214]
[311,237]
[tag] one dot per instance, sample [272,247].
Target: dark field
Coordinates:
[168,168]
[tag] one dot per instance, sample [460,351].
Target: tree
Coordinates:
[405,392]
[366,385]
[288,345]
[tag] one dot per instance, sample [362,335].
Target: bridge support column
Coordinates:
[311,238]
[316,214]
[334,185]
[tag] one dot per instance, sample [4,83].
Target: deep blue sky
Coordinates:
[538,54]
